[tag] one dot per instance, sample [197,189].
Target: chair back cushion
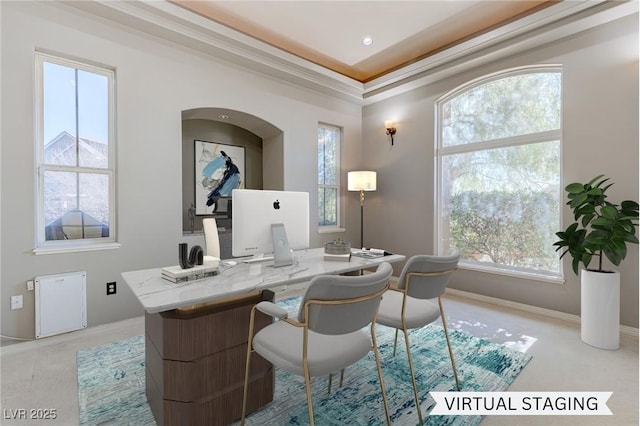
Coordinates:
[345,317]
[429,285]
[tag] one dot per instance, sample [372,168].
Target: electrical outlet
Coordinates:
[111,288]
[16,302]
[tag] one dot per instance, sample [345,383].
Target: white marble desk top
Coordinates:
[158,295]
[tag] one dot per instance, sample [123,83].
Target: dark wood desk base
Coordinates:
[195,361]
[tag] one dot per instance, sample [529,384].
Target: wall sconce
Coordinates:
[391,129]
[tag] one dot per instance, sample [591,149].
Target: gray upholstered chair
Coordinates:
[408,306]
[328,334]
[211,239]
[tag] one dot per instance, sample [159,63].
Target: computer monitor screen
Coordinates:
[255,210]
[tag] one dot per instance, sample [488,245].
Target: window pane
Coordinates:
[501,205]
[511,106]
[93,119]
[327,156]
[327,206]
[76,205]
[330,157]
[321,208]
[60,194]
[94,195]
[59,114]
[321,165]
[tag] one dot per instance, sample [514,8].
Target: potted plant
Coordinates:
[601,228]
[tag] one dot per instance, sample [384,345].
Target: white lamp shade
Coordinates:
[361,181]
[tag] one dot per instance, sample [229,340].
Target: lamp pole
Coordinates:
[362,218]
[362,181]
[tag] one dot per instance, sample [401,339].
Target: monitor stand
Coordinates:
[258,258]
[282,254]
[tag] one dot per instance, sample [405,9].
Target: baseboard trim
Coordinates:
[550,313]
[66,337]
[62,338]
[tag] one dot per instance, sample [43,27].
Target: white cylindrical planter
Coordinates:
[600,309]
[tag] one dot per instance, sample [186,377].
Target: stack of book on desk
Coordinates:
[338,257]
[176,274]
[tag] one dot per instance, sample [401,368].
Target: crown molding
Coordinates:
[175,24]
[554,23]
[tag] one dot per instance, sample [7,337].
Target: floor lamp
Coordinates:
[361,181]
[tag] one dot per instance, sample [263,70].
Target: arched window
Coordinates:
[498,171]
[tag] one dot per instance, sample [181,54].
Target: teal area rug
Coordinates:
[111,382]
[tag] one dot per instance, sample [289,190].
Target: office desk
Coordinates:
[196,335]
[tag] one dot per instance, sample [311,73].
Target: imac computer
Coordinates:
[269,224]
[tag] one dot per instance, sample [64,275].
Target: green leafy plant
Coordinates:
[600,226]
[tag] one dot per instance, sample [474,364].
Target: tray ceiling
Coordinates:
[330,33]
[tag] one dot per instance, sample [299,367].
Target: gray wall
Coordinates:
[600,135]
[156,82]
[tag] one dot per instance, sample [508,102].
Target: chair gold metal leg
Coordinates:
[413,376]
[395,343]
[247,365]
[305,368]
[307,385]
[446,335]
[330,380]
[377,356]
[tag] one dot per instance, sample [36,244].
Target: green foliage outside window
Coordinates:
[504,228]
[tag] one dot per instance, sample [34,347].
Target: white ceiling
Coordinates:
[330,33]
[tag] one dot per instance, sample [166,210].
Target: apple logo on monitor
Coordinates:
[276,204]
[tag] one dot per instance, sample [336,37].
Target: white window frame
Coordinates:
[337,185]
[440,152]
[42,246]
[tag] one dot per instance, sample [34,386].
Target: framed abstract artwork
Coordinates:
[219,169]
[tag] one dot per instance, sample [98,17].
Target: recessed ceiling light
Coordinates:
[223,117]
[367,41]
